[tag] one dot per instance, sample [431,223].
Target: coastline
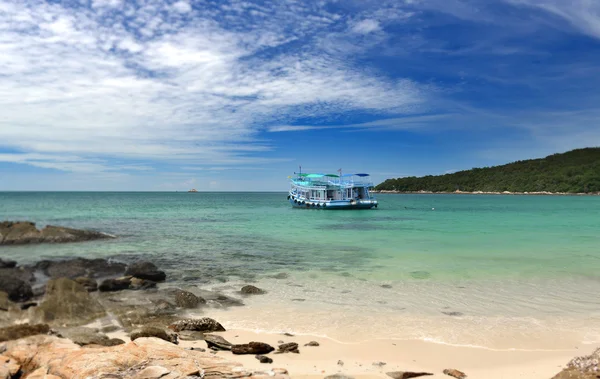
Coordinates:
[374,358]
[541,193]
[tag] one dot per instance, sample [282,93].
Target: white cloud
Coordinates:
[146,82]
[366,26]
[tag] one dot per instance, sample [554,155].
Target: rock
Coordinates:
[455,373]
[189,335]
[312,343]
[338,376]
[340,363]
[281,275]
[288,334]
[213,341]
[88,336]
[68,303]
[151,331]
[4,302]
[457,314]
[16,288]
[406,374]
[253,348]
[80,267]
[23,330]
[204,324]
[141,284]
[185,299]
[65,359]
[88,283]
[163,305]
[9,367]
[25,306]
[263,359]
[145,270]
[387,286]
[152,372]
[586,367]
[7,263]
[290,347]
[379,364]
[252,290]
[23,232]
[118,284]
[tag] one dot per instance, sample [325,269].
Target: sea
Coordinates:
[500,272]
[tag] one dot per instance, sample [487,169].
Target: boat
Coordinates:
[331,191]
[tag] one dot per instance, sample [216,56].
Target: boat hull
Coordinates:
[334,204]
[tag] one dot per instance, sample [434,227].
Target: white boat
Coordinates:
[331,191]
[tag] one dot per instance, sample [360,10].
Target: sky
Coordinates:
[230,95]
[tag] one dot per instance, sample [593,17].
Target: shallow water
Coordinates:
[493,271]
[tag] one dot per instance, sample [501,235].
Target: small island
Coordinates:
[573,172]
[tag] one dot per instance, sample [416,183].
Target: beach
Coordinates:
[494,286]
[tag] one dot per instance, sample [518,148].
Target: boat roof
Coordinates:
[307,175]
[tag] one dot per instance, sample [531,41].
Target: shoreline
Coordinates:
[542,193]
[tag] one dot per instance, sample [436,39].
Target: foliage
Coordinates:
[576,171]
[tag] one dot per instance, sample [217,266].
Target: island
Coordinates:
[573,172]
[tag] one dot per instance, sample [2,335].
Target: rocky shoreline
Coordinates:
[25,232]
[61,328]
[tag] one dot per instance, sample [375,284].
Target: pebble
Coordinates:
[340,363]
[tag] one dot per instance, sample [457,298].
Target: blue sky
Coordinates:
[235,95]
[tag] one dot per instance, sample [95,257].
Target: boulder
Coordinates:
[7,263]
[118,284]
[9,368]
[185,299]
[152,372]
[290,347]
[252,290]
[16,288]
[88,283]
[141,284]
[23,232]
[68,303]
[204,324]
[151,331]
[586,367]
[455,373]
[65,359]
[80,267]
[88,336]
[407,374]
[264,359]
[218,342]
[22,330]
[146,270]
[253,348]
[312,343]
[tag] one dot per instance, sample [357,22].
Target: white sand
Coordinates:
[358,358]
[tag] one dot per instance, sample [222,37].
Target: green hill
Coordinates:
[576,171]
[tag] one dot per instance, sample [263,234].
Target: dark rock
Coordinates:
[252,290]
[288,334]
[290,347]
[453,313]
[88,336]
[16,288]
[7,263]
[263,359]
[339,376]
[203,324]
[190,335]
[298,299]
[455,373]
[386,286]
[340,363]
[163,305]
[4,302]
[23,232]
[146,270]
[312,343]
[379,364]
[227,301]
[151,331]
[80,267]
[109,285]
[88,283]
[25,306]
[214,341]
[23,330]
[68,303]
[252,348]
[185,299]
[407,374]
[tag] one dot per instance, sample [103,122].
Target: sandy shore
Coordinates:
[360,360]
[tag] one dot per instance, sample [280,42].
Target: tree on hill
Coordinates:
[576,171]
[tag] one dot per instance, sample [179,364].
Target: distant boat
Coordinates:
[193,190]
[331,191]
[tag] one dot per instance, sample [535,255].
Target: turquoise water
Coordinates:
[487,257]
